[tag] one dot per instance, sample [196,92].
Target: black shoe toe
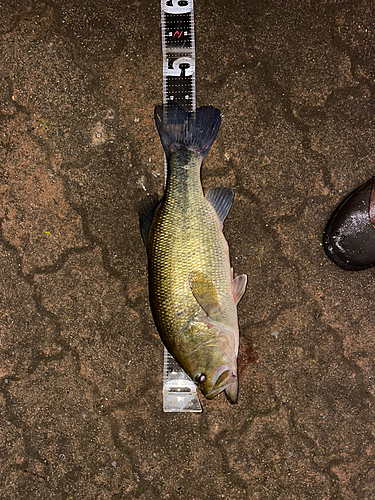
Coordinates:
[349,237]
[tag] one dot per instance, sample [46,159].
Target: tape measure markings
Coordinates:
[177,28]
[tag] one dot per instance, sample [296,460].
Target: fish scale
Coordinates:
[186,231]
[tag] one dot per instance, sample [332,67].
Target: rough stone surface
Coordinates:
[80,359]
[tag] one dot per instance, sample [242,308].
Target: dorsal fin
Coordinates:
[146,214]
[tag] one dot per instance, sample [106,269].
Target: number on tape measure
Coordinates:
[177,6]
[177,70]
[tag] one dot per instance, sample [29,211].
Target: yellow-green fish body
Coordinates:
[193,295]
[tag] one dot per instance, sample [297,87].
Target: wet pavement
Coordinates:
[80,358]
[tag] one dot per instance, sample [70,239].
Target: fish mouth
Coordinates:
[223,378]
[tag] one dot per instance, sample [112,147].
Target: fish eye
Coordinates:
[200,378]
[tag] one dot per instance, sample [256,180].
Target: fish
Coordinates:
[193,293]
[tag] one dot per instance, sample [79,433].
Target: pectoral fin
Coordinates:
[239,287]
[204,292]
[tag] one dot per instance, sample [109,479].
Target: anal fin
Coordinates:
[221,198]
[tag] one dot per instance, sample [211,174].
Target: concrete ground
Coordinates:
[80,357]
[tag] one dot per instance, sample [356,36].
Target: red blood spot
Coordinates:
[249,355]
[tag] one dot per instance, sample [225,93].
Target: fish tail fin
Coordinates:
[179,129]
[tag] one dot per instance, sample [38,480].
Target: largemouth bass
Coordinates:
[192,291]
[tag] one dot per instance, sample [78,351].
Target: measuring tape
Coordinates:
[177,33]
